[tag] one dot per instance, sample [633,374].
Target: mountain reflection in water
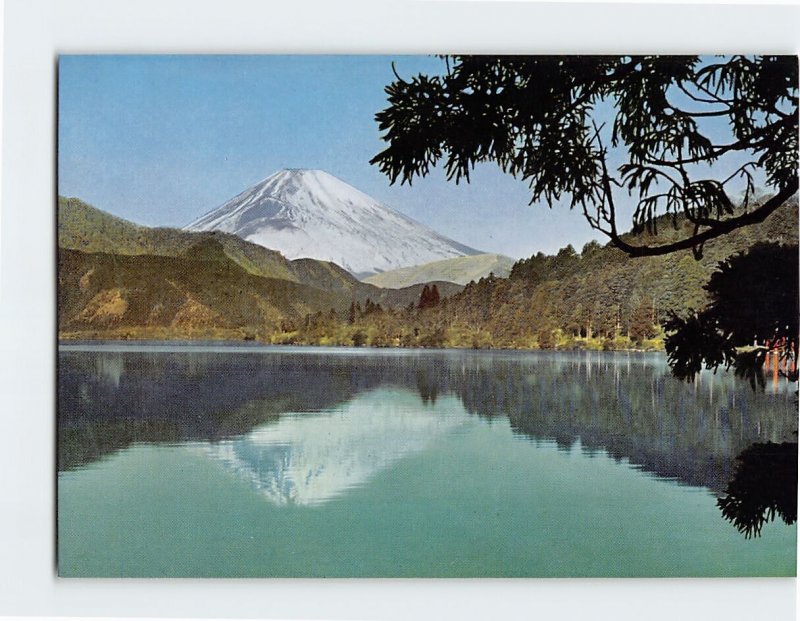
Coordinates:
[309,459]
[305,425]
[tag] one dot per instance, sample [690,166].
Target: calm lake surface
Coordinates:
[231,460]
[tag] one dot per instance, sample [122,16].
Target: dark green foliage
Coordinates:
[694,343]
[642,321]
[765,485]
[546,338]
[203,290]
[429,297]
[359,338]
[754,303]
[206,250]
[602,294]
[370,307]
[435,294]
[754,296]
[85,228]
[536,117]
[749,365]
[434,338]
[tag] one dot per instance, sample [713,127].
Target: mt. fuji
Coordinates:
[310,213]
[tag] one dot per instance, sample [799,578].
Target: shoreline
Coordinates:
[234,338]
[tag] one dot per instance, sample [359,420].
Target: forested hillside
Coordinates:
[598,298]
[601,292]
[202,294]
[117,279]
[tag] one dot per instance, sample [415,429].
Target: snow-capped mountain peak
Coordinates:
[310,213]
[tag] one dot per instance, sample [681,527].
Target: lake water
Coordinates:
[230,460]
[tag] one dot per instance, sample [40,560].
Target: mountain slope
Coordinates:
[203,290]
[601,292]
[459,270]
[91,230]
[118,278]
[200,294]
[310,213]
[88,229]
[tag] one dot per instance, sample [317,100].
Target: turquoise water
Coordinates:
[246,461]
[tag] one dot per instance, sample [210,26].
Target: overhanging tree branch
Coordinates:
[535,117]
[721,227]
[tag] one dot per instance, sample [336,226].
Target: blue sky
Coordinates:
[160,140]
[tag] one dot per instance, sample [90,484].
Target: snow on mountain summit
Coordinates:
[311,213]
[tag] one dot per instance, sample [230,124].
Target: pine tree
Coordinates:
[424,297]
[434,300]
[641,323]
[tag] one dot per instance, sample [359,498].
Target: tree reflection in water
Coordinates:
[764,485]
[627,406]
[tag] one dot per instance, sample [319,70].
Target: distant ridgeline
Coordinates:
[121,280]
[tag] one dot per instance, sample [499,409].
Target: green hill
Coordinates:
[120,279]
[459,270]
[600,292]
[91,230]
[201,293]
[598,298]
[88,229]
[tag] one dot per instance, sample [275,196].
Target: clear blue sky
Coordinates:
[160,140]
